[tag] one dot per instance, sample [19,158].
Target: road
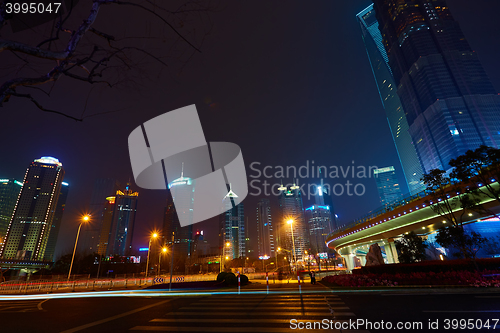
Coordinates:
[252,311]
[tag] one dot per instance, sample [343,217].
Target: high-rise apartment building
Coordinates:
[265,231]
[387,185]
[449,102]
[118,223]
[292,209]
[9,192]
[50,251]
[29,229]
[387,89]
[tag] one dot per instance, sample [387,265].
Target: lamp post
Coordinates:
[154,235]
[164,250]
[228,244]
[290,222]
[85,219]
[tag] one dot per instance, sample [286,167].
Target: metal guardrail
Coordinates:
[45,286]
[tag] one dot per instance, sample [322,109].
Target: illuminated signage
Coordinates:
[143,249]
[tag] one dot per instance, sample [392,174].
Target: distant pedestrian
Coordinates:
[313,277]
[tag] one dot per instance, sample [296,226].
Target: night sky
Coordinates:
[287,82]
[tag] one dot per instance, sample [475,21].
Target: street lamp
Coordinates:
[154,235]
[164,250]
[228,244]
[85,219]
[290,222]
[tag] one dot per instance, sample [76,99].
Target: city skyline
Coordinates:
[109,133]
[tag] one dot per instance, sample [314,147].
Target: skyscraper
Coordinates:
[292,208]
[320,220]
[232,228]
[183,236]
[387,185]
[9,192]
[118,223]
[30,226]
[449,101]
[91,232]
[387,87]
[265,232]
[50,250]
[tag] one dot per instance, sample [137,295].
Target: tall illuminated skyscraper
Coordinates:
[449,101]
[91,232]
[9,192]
[118,223]
[320,220]
[183,236]
[387,185]
[292,208]
[50,250]
[29,229]
[387,89]
[232,233]
[265,231]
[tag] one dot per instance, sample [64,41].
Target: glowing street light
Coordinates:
[154,235]
[85,219]
[164,250]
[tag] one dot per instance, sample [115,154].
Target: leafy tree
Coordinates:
[479,169]
[411,248]
[469,243]
[452,202]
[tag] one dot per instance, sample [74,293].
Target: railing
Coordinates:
[88,284]
[412,196]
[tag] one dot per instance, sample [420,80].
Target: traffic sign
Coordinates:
[158,280]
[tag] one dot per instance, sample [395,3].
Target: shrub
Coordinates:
[243,279]
[230,279]
[221,276]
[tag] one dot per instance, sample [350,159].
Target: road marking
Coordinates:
[237,320]
[39,306]
[465,311]
[277,314]
[102,321]
[214,329]
[239,308]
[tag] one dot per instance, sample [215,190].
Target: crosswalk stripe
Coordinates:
[281,314]
[233,320]
[217,329]
[268,303]
[239,308]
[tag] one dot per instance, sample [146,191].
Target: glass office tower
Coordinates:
[387,185]
[449,101]
[387,89]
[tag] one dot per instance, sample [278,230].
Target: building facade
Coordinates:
[50,251]
[29,229]
[450,104]
[265,231]
[232,235]
[118,223]
[387,185]
[292,209]
[91,232]
[183,236]
[387,88]
[9,193]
